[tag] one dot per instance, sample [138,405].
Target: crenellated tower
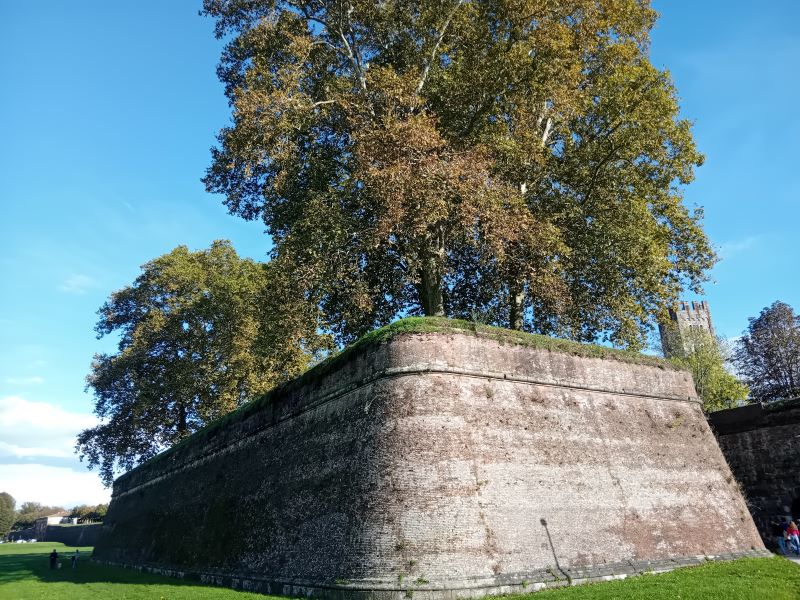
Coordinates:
[687,316]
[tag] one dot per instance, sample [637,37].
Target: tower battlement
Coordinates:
[685,317]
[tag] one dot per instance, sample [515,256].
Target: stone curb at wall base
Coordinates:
[517,583]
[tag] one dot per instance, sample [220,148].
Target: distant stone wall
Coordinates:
[74,535]
[70,535]
[440,465]
[762,446]
[22,534]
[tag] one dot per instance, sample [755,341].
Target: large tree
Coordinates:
[7,513]
[517,159]
[768,353]
[200,333]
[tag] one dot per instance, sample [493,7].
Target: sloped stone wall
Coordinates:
[440,465]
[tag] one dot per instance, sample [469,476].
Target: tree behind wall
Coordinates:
[706,357]
[200,333]
[30,511]
[768,354]
[519,160]
[89,513]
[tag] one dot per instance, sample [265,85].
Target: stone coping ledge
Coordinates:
[451,589]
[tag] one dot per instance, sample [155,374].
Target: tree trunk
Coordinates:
[182,424]
[430,285]
[516,300]
[430,290]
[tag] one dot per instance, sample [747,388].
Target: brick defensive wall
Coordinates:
[762,446]
[439,459]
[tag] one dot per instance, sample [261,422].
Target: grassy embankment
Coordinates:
[25,575]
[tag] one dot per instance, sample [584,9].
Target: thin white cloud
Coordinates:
[52,486]
[26,426]
[37,456]
[12,450]
[734,247]
[77,283]
[35,380]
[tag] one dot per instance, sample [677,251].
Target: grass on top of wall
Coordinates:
[411,325]
[408,326]
[25,574]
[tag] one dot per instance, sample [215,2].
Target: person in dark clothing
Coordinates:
[777,534]
[53,559]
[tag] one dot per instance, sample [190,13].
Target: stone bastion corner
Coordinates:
[440,464]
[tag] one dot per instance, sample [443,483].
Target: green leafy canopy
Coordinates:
[707,357]
[768,353]
[199,333]
[516,161]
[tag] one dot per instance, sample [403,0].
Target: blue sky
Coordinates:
[108,111]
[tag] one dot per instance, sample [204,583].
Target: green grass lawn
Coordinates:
[25,575]
[749,578]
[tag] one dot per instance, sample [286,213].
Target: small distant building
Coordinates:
[41,524]
[683,319]
[58,518]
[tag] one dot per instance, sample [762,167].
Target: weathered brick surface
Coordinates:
[762,446]
[446,464]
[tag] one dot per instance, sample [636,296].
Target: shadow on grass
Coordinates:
[36,567]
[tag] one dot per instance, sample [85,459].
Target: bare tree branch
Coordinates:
[429,61]
[548,129]
[322,103]
[350,50]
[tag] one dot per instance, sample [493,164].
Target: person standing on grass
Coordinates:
[53,559]
[74,558]
[777,534]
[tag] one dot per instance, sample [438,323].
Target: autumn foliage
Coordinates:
[515,161]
